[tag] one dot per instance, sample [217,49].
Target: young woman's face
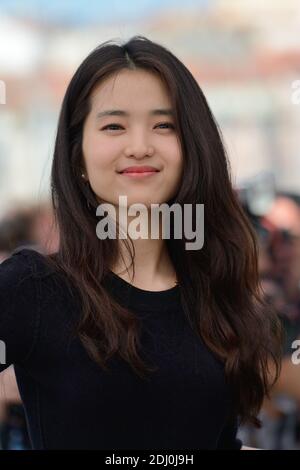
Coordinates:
[113,143]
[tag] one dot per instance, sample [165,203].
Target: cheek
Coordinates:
[175,153]
[178,170]
[176,164]
[173,175]
[97,153]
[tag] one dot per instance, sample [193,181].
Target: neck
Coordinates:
[152,264]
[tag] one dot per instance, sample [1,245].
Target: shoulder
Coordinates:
[28,274]
[19,303]
[22,265]
[19,275]
[14,270]
[36,276]
[31,299]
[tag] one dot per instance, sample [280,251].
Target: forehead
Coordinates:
[131,88]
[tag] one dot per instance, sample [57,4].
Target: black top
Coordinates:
[71,403]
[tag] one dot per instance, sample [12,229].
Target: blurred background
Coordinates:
[245,56]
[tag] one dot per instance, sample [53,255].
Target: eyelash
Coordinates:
[118,125]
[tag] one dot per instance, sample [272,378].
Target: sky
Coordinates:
[83,11]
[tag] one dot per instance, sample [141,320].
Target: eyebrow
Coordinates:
[119,112]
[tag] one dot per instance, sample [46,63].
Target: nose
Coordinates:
[139,147]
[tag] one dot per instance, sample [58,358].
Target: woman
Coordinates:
[147,344]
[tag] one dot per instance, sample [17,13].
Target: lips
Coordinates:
[139,169]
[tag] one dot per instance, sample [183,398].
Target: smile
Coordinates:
[142,174]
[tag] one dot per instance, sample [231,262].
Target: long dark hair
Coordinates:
[219,284]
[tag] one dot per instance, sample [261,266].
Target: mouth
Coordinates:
[143,174]
[139,174]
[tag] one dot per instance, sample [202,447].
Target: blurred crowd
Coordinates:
[278,233]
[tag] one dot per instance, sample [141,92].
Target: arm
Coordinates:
[10,386]
[228,437]
[288,382]
[9,392]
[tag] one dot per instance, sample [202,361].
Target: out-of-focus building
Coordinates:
[245,56]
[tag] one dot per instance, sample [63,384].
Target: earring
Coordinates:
[82,175]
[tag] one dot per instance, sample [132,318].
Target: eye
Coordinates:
[110,125]
[167,124]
